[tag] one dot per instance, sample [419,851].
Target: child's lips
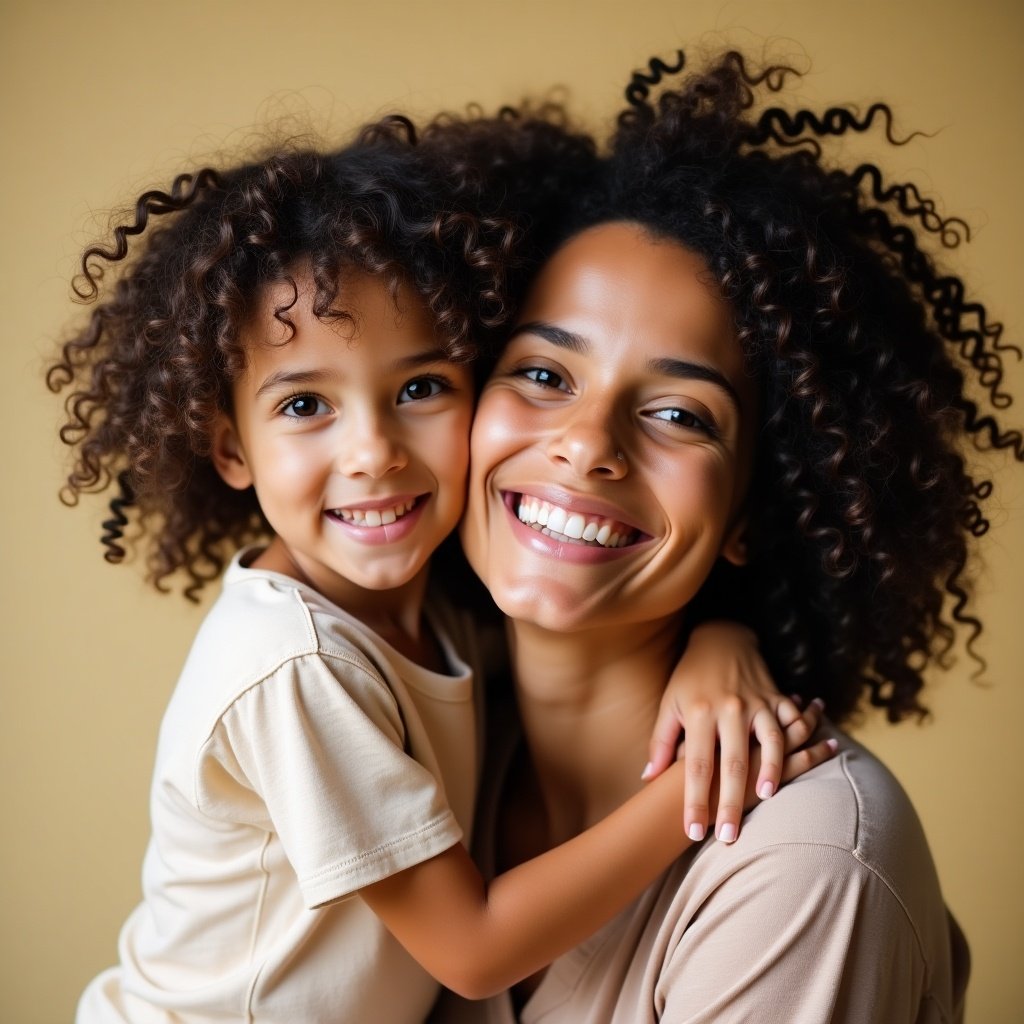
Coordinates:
[381,512]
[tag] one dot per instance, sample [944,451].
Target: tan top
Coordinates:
[827,908]
[300,758]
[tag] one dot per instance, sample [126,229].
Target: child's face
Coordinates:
[355,437]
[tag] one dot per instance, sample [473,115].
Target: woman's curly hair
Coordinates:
[153,364]
[862,507]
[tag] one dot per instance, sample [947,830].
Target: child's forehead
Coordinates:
[368,319]
[353,301]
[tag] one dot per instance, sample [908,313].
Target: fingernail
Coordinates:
[646,773]
[818,703]
[727,833]
[832,745]
[766,790]
[696,832]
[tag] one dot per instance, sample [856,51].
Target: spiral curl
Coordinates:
[861,508]
[153,364]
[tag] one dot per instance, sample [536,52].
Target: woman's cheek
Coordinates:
[502,423]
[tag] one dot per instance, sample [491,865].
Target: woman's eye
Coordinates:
[540,375]
[304,406]
[684,418]
[420,388]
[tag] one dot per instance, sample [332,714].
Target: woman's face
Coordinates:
[612,444]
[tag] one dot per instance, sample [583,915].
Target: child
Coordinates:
[288,357]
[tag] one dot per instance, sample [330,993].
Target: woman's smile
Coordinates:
[614,437]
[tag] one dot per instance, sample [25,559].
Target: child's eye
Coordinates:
[543,376]
[422,387]
[305,406]
[684,418]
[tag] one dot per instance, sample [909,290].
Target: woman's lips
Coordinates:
[601,537]
[571,527]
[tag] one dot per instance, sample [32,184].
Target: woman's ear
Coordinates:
[228,455]
[734,548]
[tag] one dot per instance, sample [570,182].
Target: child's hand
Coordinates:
[721,689]
[800,755]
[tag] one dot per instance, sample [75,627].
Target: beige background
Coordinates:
[99,100]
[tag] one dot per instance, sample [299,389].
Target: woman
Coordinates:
[742,362]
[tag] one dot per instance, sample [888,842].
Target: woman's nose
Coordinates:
[587,445]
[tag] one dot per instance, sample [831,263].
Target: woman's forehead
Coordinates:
[617,284]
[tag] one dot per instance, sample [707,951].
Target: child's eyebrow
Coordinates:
[432,355]
[297,378]
[291,378]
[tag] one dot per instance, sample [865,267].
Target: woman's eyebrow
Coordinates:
[556,335]
[695,371]
[665,366]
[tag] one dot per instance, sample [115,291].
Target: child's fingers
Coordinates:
[800,731]
[769,735]
[734,764]
[801,761]
[787,711]
[700,770]
[661,751]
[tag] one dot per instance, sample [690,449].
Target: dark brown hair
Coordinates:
[870,359]
[154,362]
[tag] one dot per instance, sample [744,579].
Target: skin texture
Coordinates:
[622,397]
[622,394]
[364,417]
[619,397]
[337,419]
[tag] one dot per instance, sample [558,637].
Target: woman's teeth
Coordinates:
[374,516]
[561,524]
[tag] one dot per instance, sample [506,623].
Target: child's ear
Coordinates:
[734,549]
[228,455]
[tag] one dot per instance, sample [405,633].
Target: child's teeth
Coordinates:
[376,517]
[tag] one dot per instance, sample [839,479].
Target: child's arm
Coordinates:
[479,939]
[721,686]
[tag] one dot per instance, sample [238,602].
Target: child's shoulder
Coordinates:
[264,618]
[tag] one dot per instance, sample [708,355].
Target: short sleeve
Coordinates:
[802,934]
[316,753]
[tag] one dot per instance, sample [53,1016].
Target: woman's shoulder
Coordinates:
[845,826]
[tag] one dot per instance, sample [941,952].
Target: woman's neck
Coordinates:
[588,702]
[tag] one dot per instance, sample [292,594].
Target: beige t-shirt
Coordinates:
[826,909]
[301,758]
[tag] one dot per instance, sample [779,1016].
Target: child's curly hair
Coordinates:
[154,363]
[862,507]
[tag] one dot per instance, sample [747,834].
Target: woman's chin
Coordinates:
[545,604]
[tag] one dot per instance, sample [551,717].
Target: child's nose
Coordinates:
[370,449]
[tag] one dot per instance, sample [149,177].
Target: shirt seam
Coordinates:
[346,866]
[883,876]
[357,663]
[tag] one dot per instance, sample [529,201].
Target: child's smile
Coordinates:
[354,435]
